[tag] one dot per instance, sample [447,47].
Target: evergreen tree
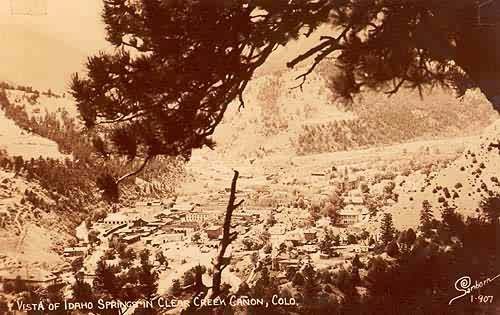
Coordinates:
[388,230]
[310,283]
[356,262]
[264,276]
[452,224]
[148,278]
[355,275]
[105,280]
[491,208]
[176,289]
[327,242]
[82,291]
[188,278]
[298,279]
[426,218]
[407,238]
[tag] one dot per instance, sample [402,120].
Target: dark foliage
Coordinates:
[179,64]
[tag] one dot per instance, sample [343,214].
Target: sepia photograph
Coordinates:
[250,157]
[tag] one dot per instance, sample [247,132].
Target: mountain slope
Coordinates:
[16,141]
[33,230]
[463,184]
[280,118]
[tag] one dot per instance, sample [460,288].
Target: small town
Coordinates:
[283,236]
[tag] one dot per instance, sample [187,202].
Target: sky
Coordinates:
[44,50]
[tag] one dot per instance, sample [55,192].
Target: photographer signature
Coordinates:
[463,284]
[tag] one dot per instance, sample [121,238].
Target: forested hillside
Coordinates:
[280,117]
[72,179]
[52,116]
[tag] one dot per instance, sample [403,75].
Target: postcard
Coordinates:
[249,157]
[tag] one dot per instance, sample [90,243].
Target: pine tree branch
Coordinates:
[137,171]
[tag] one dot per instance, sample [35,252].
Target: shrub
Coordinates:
[392,249]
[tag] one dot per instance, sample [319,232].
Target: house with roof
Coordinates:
[166,238]
[75,251]
[354,197]
[348,216]
[198,216]
[282,262]
[184,227]
[118,218]
[310,234]
[129,239]
[139,222]
[29,276]
[182,207]
[295,237]
[213,232]
[114,229]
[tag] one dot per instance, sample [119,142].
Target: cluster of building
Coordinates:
[156,223]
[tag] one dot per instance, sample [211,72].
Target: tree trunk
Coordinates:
[227,238]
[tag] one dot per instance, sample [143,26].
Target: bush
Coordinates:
[298,280]
[175,289]
[188,278]
[8,287]
[392,249]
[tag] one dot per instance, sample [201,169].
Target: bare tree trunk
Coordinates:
[227,238]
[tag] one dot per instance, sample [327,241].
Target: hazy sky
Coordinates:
[43,51]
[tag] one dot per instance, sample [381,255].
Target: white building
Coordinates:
[182,207]
[164,238]
[198,217]
[348,216]
[118,218]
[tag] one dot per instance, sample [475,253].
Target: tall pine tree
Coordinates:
[426,218]
[387,229]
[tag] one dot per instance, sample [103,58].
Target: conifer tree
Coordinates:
[491,208]
[426,218]
[387,229]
